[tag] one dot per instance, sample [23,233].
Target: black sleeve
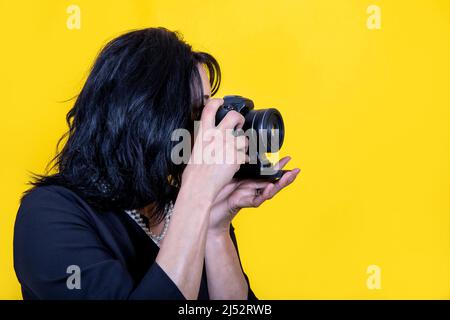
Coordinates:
[52,233]
[251,295]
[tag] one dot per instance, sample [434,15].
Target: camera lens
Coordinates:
[269,126]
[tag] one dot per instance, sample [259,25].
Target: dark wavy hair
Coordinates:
[142,86]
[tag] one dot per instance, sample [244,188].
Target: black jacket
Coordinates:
[56,229]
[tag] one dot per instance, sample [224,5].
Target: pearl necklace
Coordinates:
[136,216]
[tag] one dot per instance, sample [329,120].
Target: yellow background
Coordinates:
[367,119]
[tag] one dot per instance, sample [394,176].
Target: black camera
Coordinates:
[265,131]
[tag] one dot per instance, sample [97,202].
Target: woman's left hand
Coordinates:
[240,194]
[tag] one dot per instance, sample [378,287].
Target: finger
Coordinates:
[248,198]
[285,180]
[242,157]
[280,164]
[208,117]
[273,188]
[264,195]
[248,194]
[242,143]
[232,120]
[226,191]
[254,184]
[250,201]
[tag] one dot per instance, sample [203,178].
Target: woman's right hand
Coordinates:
[182,251]
[210,166]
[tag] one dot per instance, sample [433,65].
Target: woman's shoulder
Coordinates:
[49,195]
[47,202]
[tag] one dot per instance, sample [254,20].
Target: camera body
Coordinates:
[265,131]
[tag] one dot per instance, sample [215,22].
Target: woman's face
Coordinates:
[205,84]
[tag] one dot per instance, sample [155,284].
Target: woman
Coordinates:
[119,220]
